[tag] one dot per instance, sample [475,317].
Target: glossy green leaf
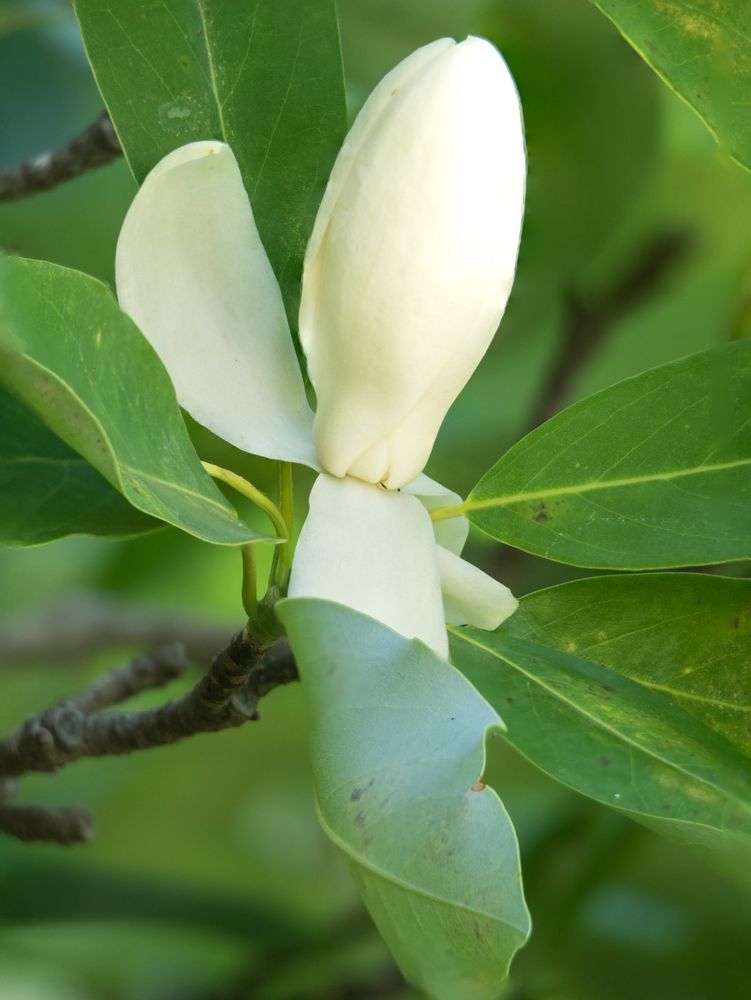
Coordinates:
[609,731]
[398,744]
[82,365]
[264,76]
[702,50]
[686,635]
[48,491]
[652,472]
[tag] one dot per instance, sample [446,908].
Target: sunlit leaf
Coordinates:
[634,691]
[702,49]
[686,635]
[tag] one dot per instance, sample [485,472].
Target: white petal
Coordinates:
[193,274]
[412,257]
[471,597]
[451,533]
[372,550]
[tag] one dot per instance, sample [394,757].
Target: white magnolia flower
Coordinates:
[406,277]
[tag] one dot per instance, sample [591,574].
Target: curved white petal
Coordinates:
[374,551]
[452,533]
[412,257]
[193,274]
[471,597]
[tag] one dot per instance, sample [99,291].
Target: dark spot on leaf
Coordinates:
[356,794]
[605,761]
[540,512]
[605,687]
[736,622]
[360,818]
[510,701]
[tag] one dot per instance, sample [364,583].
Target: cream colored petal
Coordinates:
[452,533]
[373,551]
[193,274]
[412,257]
[471,597]
[376,104]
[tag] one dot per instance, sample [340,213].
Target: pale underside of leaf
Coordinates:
[398,747]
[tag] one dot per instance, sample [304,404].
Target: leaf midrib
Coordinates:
[119,467]
[603,725]
[600,484]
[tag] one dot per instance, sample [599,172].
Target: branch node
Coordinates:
[226,696]
[95,147]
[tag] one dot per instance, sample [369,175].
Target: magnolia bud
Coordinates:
[412,257]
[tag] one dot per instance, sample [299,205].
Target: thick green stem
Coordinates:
[282,563]
[286,502]
[249,588]
[446,513]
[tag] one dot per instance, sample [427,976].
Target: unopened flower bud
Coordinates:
[412,257]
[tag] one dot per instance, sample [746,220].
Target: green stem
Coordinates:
[282,563]
[252,493]
[445,513]
[286,505]
[249,588]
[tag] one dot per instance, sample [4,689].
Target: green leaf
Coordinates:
[702,50]
[82,365]
[574,680]
[264,76]
[397,742]
[686,635]
[653,472]
[47,491]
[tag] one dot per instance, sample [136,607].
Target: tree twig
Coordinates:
[79,627]
[585,328]
[589,323]
[226,696]
[63,825]
[95,147]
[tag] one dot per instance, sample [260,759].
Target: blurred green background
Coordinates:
[208,878]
